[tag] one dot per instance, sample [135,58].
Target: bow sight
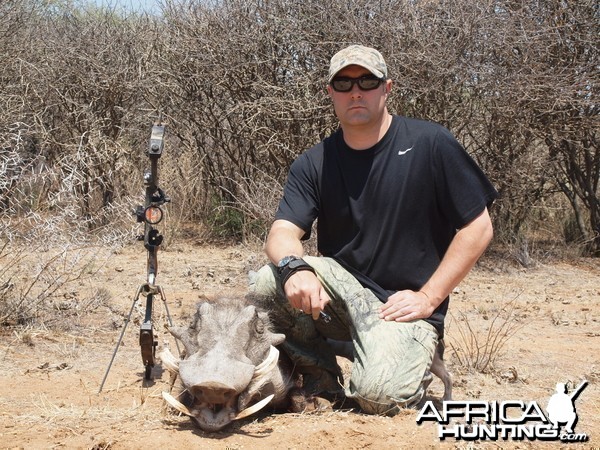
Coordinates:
[150,214]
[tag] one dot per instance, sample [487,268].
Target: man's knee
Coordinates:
[263,281]
[393,367]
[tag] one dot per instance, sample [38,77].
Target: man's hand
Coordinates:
[405,306]
[305,292]
[302,289]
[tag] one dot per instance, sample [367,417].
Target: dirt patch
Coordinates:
[49,380]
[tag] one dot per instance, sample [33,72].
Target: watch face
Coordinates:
[285,261]
[296,262]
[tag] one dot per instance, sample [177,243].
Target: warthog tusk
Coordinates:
[252,409]
[176,404]
[169,361]
[262,372]
[268,364]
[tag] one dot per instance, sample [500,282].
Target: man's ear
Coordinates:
[388,86]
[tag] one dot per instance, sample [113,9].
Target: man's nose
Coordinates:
[355,92]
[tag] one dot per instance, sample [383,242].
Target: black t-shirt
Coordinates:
[388,213]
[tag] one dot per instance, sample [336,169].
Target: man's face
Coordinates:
[358,107]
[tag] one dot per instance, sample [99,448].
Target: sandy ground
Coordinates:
[50,376]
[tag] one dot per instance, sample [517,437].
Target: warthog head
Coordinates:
[230,361]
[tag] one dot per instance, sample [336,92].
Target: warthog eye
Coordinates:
[259,325]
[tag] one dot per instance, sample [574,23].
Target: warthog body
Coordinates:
[230,363]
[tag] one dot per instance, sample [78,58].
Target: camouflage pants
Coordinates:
[391,359]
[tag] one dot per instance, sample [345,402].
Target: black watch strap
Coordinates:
[293,266]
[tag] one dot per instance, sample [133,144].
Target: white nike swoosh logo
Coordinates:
[403,152]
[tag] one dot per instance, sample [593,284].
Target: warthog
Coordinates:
[230,363]
[231,367]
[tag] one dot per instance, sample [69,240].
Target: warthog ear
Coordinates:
[178,332]
[276,338]
[263,320]
[184,335]
[204,309]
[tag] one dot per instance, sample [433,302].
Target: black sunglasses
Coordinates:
[365,83]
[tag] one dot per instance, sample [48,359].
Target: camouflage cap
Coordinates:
[366,57]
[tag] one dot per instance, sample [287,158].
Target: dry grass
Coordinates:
[480,348]
[42,263]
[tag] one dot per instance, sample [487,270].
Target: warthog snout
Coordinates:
[212,392]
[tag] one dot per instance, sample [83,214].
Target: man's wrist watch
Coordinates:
[285,261]
[289,265]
